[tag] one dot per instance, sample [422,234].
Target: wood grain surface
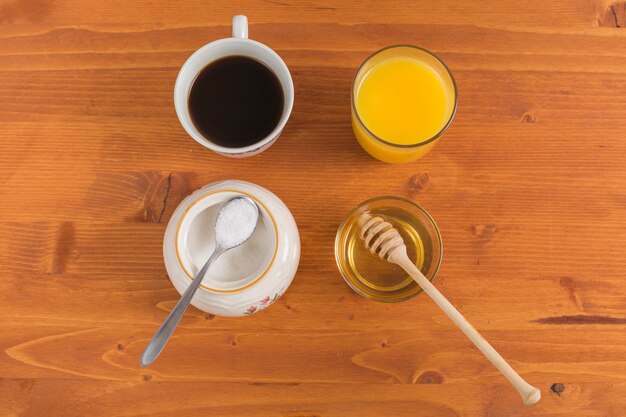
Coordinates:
[528,187]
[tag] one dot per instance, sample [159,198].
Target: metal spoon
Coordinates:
[225,239]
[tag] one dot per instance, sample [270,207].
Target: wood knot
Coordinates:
[416,184]
[162,195]
[209,316]
[234,341]
[557,388]
[614,16]
[484,231]
[63,248]
[430,377]
[155,201]
[528,118]
[384,344]
[121,347]
[146,377]
[566,282]
[580,319]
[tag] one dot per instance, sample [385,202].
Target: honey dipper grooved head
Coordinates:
[380,237]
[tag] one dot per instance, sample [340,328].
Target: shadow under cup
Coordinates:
[381,148]
[217,50]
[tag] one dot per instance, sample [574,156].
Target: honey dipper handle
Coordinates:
[530,395]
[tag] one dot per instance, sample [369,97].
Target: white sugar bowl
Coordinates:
[246,279]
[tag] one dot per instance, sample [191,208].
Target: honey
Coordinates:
[374,277]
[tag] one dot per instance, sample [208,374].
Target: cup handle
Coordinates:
[240,26]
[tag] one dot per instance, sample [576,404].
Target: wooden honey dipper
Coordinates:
[382,239]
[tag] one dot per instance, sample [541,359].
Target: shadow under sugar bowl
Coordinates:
[246,279]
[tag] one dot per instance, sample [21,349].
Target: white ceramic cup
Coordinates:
[238,45]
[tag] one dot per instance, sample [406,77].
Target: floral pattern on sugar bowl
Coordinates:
[264,303]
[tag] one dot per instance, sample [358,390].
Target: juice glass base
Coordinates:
[385,152]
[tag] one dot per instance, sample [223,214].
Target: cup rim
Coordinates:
[177,238]
[197,136]
[418,144]
[338,245]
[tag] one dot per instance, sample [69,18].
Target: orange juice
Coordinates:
[402,102]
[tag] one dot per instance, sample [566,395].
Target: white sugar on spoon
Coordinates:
[235,222]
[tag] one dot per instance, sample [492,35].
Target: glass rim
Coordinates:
[379,198]
[419,144]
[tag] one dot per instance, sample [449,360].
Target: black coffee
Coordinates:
[236,101]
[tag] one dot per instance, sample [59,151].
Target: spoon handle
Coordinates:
[162,335]
[530,395]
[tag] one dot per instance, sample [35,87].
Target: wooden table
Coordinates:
[528,187]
